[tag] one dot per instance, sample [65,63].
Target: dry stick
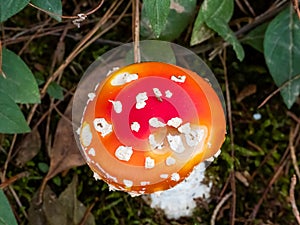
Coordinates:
[232,179]
[74,53]
[292,148]
[8,157]
[293,116]
[137,53]
[12,191]
[292,198]
[278,89]
[218,207]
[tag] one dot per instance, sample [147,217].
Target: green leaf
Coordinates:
[157,12]
[6,215]
[19,83]
[255,38]
[55,91]
[54,7]
[181,13]
[9,8]
[11,117]
[216,15]
[282,53]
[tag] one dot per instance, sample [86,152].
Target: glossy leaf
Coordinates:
[11,117]
[9,8]
[19,83]
[54,7]
[6,215]
[216,15]
[282,53]
[181,13]
[255,38]
[157,12]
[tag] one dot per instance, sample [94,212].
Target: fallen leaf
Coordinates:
[64,154]
[247,91]
[28,148]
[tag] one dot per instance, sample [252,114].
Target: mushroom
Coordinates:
[147,125]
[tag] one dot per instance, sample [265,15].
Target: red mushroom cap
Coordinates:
[148,124]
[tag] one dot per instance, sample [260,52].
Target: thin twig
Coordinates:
[218,207]
[8,157]
[292,149]
[292,198]
[137,54]
[228,102]
[278,89]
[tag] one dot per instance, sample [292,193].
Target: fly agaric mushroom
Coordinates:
[147,125]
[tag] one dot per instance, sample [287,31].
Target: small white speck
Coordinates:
[145,183]
[217,153]
[149,163]
[153,143]
[141,100]
[157,93]
[91,96]
[135,126]
[178,79]
[86,135]
[175,177]
[128,183]
[168,94]
[209,145]
[124,153]
[175,143]
[117,105]
[112,70]
[170,161]
[164,176]
[96,176]
[78,131]
[256,116]
[92,152]
[123,78]
[154,122]
[101,125]
[174,122]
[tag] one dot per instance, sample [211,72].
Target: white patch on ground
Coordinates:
[176,143]
[135,126]
[124,153]
[174,122]
[92,152]
[154,122]
[149,163]
[170,161]
[91,96]
[175,177]
[117,105]
[153,143]
[178,79]
[141,99]
[192,136]
[123,78]
[157,93]
[101,125]
[164,176]
[168,94]
[179,200]
[86,135]
[128,183]
[96,176]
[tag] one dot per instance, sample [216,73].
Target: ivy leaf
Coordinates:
[11,117]
[52,6]
[55,91]
[157,12]
[282,53]
[19,83]
[6,214]
[9,8]
[216,15]
[181,13]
